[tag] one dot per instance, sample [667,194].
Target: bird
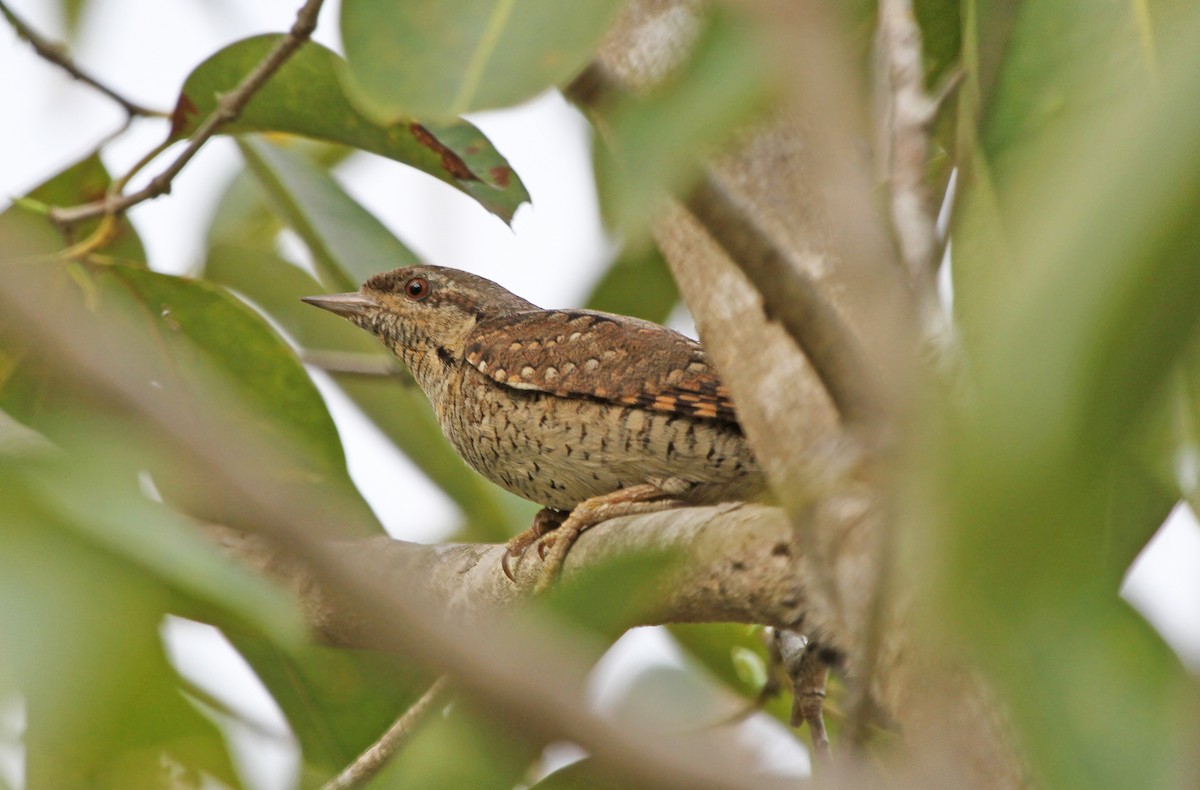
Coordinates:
[590,414]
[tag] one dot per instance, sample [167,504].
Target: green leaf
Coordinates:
[731,653]
[349,245]
[941,34]
[1083,254]
[611,598]
[304,97]
[580,775]
[83,182]
[98,500]
[336,701]
[82,645]
[192,332]
[658,141]
[461,748]
[443,58]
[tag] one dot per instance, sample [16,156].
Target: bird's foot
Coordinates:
[547,519]
[643,498]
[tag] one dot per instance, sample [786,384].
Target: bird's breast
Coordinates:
[558,451]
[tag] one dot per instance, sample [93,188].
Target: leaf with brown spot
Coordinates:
[306,98]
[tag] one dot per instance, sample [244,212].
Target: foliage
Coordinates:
[1076,135]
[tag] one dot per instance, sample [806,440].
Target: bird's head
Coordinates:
[423,312]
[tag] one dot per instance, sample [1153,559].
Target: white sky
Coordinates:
[553,254]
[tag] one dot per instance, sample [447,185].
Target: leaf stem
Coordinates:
[56,52]
[229,107]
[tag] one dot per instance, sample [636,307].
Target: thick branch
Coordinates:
[229,107]
[56,53]
[790,296]
[735,567]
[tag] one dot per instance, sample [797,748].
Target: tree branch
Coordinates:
[229,107]
[735,566]
[790,296]
[56,53]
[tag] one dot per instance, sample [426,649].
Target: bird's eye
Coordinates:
[417,288]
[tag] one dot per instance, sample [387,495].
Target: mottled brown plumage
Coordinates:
[577,410]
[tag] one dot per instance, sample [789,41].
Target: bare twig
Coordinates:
[377,755]
[229,107]
[56,53]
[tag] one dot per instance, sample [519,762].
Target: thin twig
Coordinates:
[56,53]
[377,755]
[229,107]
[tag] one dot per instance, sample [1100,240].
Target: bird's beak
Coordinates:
[348,305]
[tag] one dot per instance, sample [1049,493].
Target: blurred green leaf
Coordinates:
[443,58]
[1082,253]
[750,667]
[580,775]
[612,597]
[460,748]
[1062,60]
[348,244]
[83,182]
[719,647]
[941,33]
[275,286]
[336,701]
[81,642]
[713,646]
[99,501]
[657,141]
[639,284]
[304,97]
[195,330]
[73,12]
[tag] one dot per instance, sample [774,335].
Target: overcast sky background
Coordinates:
[554,253]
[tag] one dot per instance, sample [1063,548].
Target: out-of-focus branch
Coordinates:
[229,107]
[356,364]
[908,112]
[56,53]
[791,297]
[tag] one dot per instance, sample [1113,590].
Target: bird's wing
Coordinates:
[588,354]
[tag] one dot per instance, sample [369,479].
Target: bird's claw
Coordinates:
[545,521]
